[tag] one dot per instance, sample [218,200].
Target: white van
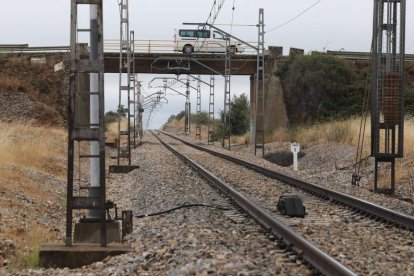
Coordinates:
[203,41]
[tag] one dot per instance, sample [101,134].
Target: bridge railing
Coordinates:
[18,49]
[165,46]
[112,45]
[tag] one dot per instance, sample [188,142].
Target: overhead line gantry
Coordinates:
[258,125]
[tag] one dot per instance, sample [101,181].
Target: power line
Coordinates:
[237,25]
[232,16]
[293,18]
[215,10]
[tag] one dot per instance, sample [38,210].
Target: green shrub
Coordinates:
[239,117]
[320,87]
[201,118]
[180,115]
[409,101]
[110,117]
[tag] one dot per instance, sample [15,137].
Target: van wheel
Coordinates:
[232,50]
[188,49]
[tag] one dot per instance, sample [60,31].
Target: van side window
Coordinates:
[187,33]
[204,34]
[218,35]
[194,33]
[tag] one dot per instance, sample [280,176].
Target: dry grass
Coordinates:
[29,146]
[25,150]
[111,133]
[240,139]
[9,83]
[346,132]
[29,241]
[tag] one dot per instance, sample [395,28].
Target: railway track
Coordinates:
[317,258]
[350,229]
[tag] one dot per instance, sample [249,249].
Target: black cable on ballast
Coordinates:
[185,205]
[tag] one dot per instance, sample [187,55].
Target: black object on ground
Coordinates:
[291,205]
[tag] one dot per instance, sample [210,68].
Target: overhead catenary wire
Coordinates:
[236,25]
[232,16]
[293,18]
[216,10]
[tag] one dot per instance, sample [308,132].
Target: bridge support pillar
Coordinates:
[275,116]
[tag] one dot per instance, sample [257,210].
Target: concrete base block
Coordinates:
[122,168]
[60,256]
[89,232]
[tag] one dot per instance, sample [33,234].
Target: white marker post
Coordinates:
[295,148]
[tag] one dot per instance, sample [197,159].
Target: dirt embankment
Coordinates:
[32,160]
[32,93]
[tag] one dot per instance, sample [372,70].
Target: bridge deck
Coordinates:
[164,63]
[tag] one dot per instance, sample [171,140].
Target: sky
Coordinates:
[330,25]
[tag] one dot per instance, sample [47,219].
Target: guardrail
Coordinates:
[166,46]
[20,50]
[113,45]
[361,55]
[162,46]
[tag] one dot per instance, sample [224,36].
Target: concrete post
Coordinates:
[252,109]
[275,116]
[94,110]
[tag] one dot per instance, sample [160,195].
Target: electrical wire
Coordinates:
[356,176]
[237,25]
[182,206]
[232,17]
[216,11]
[293,18]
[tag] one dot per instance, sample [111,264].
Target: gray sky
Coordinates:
[332,24]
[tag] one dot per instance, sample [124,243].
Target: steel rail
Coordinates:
[369,208]
[319,259]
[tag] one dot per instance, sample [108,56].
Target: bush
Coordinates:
[239,117]
[110,117]
[201,119]
[41,85]
[409,101]
[320,87]
[180,115]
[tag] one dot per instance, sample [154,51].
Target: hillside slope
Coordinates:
[31,93]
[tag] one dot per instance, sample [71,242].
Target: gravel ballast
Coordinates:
[366,246]
[215,239]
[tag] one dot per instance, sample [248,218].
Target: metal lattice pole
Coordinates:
[132,94]
[124,83]
[227,82]
[187,107]
[140,110]
[388,74]
[198,111]
[211,112]
[260,92]
[84,99]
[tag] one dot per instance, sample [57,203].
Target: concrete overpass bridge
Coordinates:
[160,60]
[163,62]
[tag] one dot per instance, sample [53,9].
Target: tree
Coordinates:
[201,118]
[239,115]
[319,87]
